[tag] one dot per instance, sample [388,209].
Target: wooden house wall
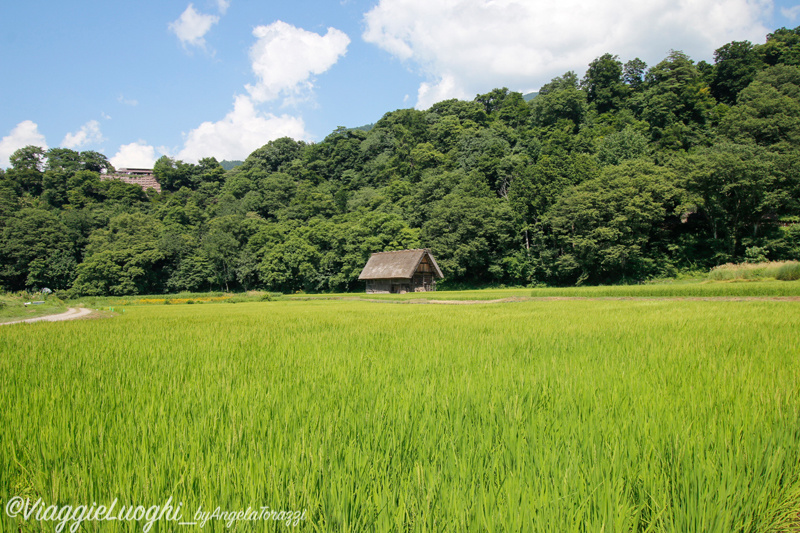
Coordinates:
[378,286]
[424,277]
[423,280]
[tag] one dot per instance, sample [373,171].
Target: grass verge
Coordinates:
[12,306]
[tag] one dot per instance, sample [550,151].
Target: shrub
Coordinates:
[789,271]
[755,254]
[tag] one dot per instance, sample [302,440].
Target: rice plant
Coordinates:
[670,416]
[678,289]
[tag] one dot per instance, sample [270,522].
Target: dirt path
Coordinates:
[70,314]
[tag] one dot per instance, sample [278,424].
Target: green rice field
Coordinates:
[690,289]
[540,415]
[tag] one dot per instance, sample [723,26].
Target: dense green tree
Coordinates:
[506,106]
[273,155]
[83,187]
[119,192]
[95,162]
[514,112]
[676,102]
[220,248]
[787,243]
[424,156]
[484,151]
[36,251]
[768,110]
[61,164]
[560,100]
[633,73]
[27,167]
[30,157]
[209,171]
[493,101]
[223,246]
[603,83]
[618,147]
[630,173]
[277,190]
[194,273]
[9,198]
[172,174]
[125,258]
[735,187]
[291,266]
[63,160]
[608,228]
[782,47]
[473,112]
[735,66]
[470,234]
[534,191]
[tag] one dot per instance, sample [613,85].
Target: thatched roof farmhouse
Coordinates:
[401,271]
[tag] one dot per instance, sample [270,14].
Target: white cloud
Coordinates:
[127,101]
[223,5]
[88,134]
[134,155]
[24,134]
[471,47]
[446,88]
[191,27]
[791,13]
[285,58]
[242,130]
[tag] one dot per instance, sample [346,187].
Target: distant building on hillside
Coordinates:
[401,271]
[143,177]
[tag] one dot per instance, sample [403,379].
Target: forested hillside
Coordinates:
[626,173]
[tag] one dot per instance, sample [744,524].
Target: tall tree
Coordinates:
[124,258]
[559,100]
[768,110]
[603,83]
[36,251]
[676,103]
[735,187]
[95,161]
[273,155]
[607,229]
[27,166]
[782,47]
[735,66]
[634,72]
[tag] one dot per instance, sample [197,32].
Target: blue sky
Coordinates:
[139,79]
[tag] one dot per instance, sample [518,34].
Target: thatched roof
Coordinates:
[397,265]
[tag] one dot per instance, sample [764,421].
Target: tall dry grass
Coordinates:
[779,270]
